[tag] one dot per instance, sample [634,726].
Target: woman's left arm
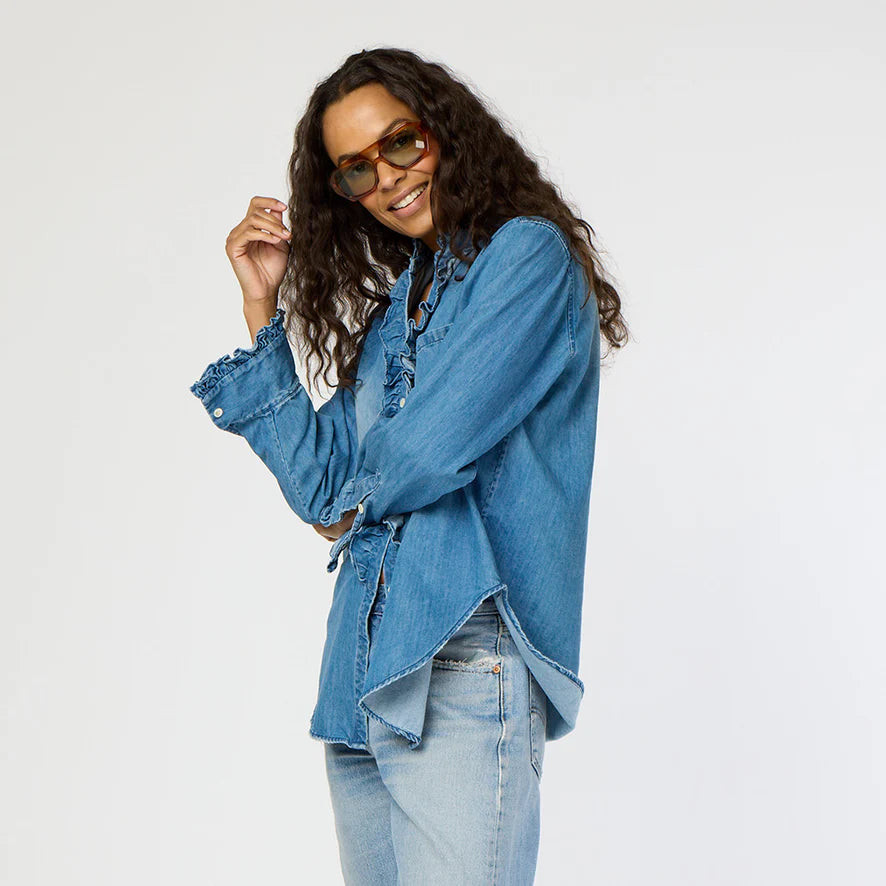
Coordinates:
[506,348]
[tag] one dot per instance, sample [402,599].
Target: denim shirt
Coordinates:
[467,450]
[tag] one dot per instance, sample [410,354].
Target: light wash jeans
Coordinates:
[464,806]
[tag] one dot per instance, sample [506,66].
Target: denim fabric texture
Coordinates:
[467,450]
[463,807]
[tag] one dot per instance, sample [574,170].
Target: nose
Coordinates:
[388,176]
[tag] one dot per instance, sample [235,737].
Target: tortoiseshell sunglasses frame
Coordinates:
[362,156]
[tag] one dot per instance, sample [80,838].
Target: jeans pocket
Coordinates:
[474,647]
[538,716]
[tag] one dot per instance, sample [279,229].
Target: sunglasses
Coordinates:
[402,148]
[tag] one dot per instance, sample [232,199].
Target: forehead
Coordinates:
[358,119]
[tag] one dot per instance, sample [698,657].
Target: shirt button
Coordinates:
[217,411]
[360,506]
[402,401]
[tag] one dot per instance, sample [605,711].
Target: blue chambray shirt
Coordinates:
[467,450]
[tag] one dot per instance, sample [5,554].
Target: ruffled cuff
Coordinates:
[351,497]
[216,371]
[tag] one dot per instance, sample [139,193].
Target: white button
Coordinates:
[402,401]
[360,506]
[217,411]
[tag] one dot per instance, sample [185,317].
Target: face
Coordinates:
[361,118]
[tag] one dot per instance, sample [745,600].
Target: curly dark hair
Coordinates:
[343,261]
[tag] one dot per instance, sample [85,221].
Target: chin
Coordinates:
[416,225]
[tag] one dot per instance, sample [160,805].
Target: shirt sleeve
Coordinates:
[255,393]
[506,348]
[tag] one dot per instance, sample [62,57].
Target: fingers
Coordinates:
[266,203]
[266,213]
[263,221]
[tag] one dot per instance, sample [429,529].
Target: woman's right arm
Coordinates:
[259,314]
[256,393]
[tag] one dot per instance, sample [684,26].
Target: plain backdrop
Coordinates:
[163,611]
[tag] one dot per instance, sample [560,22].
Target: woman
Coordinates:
[452,464]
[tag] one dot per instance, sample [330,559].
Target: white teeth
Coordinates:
[410,197]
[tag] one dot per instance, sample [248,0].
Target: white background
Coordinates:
[163,611]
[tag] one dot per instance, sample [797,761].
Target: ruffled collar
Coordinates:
[445,241]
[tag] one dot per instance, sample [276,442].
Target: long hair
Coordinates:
[343,261]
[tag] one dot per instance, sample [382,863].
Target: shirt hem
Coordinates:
[329,739]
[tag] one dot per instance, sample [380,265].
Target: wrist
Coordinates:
[260,305]
[258,314]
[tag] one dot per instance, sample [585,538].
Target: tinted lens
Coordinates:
[356,179]
[404,147]
[401,148]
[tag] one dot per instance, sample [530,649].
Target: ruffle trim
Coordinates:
[215,372]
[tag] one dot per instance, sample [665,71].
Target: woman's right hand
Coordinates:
[258,249]
[336,530]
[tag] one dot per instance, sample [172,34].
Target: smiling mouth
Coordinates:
[410,198]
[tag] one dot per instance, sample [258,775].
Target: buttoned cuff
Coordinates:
[237,386]
[351,496]
[389,526]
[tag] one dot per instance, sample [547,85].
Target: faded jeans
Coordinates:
[464,806]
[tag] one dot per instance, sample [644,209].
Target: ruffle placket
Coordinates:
[399,334]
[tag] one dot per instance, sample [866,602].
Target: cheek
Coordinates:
[433,157]
[429,164]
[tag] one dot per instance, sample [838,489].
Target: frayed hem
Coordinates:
[414,740]
[329,739]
